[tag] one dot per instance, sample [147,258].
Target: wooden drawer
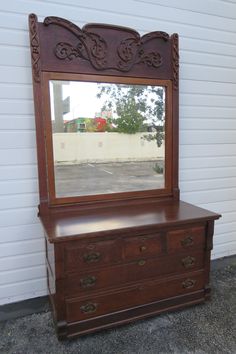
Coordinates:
[184,239]
[80,255]
[135,271]
[80,309]
[142,246]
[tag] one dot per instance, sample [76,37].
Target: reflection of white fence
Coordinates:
[104,147]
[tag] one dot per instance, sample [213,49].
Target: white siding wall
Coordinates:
[207,30]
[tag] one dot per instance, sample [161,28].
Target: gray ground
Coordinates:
[99,178]
[204,329]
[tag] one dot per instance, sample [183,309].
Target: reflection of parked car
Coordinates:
[75,125]
[97,124]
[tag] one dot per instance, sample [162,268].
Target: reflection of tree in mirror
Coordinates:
[136,108]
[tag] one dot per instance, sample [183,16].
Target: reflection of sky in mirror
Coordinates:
[84,102]
[83,99]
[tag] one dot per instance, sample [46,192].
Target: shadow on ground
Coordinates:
[208,328]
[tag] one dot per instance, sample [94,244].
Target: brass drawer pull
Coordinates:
[189,283]
[88,281]
[143,248]
[188,262]
[89,308]
[187,241]
[92,257]
[141,262]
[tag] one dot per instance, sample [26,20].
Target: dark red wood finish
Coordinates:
[113,259]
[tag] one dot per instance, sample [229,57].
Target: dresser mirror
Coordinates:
[106,105]
[108,137]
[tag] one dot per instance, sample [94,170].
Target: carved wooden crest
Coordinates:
[100,48]
[95,48]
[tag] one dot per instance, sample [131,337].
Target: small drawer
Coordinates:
[142,246]
[91,254]
[79,309]
[184,239]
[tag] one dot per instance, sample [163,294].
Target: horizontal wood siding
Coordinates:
[207,30]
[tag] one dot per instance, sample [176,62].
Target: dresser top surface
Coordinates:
[60,226]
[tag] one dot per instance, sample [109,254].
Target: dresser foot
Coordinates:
[207,290]
[62,330]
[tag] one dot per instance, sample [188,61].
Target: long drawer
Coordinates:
[83,308]
[134,271]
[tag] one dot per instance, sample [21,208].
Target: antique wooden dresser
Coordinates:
[120,245]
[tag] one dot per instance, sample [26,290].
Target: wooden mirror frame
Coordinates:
[61,50]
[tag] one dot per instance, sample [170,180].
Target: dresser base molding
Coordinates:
[119,318]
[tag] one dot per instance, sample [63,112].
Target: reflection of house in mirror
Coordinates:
[80,124]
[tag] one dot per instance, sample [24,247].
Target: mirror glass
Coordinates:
[107,137]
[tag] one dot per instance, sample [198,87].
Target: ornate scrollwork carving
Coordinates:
[65,51]
[151,59]
[90,46]
[131,51]
[175,60]
[93,48]
[61,22]
[95,52]
[34,44]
